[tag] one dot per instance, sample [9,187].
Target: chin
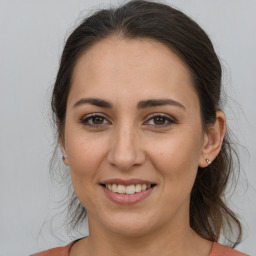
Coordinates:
[129,225]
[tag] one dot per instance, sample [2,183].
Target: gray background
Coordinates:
[32,34]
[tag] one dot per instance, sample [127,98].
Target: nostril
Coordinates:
[124,156]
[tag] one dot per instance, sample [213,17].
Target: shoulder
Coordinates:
[222,250]
[58,251]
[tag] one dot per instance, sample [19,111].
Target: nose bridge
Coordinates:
[126,138]
[125,151]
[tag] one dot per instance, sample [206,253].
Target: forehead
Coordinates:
[131,67]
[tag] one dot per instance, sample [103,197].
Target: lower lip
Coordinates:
[127,199]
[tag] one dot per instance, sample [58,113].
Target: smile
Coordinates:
[129,190]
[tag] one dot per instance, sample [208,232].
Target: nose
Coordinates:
[126,150]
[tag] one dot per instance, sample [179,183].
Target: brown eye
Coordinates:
[159,120]
[97,120]
[94,120]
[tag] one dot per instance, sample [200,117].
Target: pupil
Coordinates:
[97,120]
[159,120]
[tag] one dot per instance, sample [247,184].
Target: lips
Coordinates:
[127,191]
[131,189]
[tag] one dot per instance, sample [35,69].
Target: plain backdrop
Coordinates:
[32,35]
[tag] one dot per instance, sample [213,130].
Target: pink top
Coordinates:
[217,250]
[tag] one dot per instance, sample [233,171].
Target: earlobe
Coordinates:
[65,159]
[213,140]
[64,155]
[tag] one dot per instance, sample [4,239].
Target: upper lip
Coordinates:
[127,182]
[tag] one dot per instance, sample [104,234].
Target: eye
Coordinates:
[94,120]
[158,120]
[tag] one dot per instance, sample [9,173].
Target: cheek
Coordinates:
[85,158]
[177,156]
[85,154]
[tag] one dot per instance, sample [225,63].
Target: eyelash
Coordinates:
[85,119]
[166,117]
[170,120]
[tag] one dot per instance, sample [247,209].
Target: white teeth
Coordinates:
[131,189]
[121,189]
[143,187]
[114,188]
[138,188]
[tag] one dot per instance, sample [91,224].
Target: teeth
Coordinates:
[131,189]
[143,187]
[121,189]
[138,188]
[114,188]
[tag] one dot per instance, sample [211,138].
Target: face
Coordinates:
[133,136]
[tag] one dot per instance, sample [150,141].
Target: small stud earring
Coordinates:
[64,157]
[208,161]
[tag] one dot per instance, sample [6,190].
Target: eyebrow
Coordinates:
[141,105]
[94,101]
[159,102]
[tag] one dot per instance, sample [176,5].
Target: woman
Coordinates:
[137,108]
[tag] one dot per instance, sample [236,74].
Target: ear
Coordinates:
[64,154]
[213,139]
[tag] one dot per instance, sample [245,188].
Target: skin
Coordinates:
[130,143]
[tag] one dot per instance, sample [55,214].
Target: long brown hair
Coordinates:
[209,214]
